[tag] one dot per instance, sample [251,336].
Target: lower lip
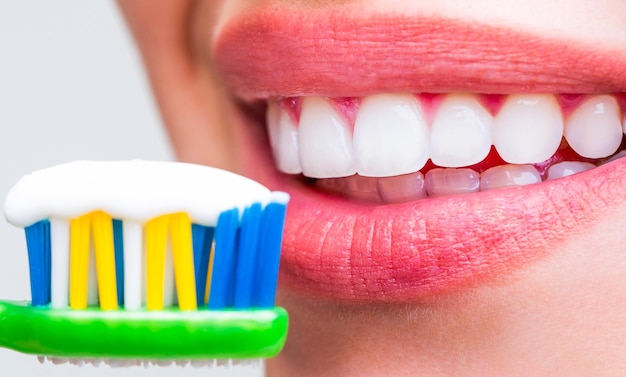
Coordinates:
[338,249]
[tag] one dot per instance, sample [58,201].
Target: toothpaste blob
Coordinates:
[130,190]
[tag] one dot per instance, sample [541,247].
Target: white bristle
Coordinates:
[134,282]
[60,245]
[169,287]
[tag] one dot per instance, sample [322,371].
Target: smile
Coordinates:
[359,141]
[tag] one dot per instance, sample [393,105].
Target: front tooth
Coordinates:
[528,129]
[508,175]
[325,141]
[461,132]
[283,139]
[443,182]
[390,136]
[593,130]
[565,168]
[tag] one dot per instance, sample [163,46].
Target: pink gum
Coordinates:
[349,106]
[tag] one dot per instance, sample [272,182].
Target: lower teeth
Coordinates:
[445,181]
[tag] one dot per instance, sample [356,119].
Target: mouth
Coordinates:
[410,180]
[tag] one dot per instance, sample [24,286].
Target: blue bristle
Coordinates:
[247,256]
[269,254]
[38,244]
[202,239]
[230,302]
[222,279]
[118,244]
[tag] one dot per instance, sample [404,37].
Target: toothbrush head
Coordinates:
[147,260]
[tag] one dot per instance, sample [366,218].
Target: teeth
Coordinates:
[283,139]
[528,129]
[593,130]
[508,175]
[402,188]
[390,136]
[443,182]
[565,168]
[461,132]
[325,141]
[380,158]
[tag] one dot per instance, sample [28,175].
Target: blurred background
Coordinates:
[71,87]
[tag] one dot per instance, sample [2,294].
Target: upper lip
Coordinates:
[272,51]
[337,248]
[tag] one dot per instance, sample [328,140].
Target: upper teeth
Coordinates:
[391,133]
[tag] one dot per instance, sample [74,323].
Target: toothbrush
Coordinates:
[147,260]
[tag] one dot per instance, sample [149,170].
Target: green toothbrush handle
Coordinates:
[119,334]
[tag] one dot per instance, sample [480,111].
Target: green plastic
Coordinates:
[119,334]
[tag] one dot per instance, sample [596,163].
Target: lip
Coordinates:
[339,249]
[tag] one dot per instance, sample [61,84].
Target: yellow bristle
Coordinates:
[182,248]
[102,225]
[79,261]
[156,244]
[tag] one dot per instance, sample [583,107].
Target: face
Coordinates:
[457,202]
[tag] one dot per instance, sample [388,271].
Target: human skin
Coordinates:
[558,313]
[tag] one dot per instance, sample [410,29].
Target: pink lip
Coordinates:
[270,51]
[335,248]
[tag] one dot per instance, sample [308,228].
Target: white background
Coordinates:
[71,87]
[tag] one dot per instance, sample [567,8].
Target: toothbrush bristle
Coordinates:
[118,247]
[231,265]
[38,245]
[202,240]
[222,274]
[247,258]
[271,236]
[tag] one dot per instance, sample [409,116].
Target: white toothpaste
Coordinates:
[130,190]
